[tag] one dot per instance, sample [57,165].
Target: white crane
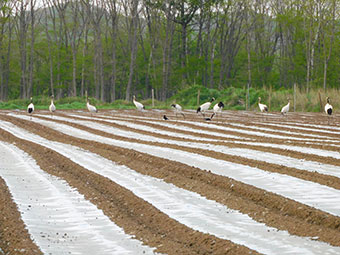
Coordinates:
[138,105]
[52,107]
[204,107]
[178,109]
[263,107]
[91,108]
[30,107]
[217,109]
[285,109]
[328,107]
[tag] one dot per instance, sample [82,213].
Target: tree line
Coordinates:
[116,48]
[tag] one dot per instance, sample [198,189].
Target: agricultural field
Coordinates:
[130,182]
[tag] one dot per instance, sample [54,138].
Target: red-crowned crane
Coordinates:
[217,109]
[263,107]
[91,108]
[177,109]
[30,108]
[328,107]
[138,105]
[52,107]
[204,107]
[285,109]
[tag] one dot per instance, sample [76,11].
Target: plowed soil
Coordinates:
[150,225]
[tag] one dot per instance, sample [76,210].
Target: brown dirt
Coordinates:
[14,237]
[153,227]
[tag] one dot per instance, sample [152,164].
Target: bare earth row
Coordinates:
[147,223]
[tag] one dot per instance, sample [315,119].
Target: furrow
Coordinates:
[167,198]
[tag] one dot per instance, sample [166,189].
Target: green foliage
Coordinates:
[278,49]
[233,98]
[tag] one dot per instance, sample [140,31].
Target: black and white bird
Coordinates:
[138,105]
[178,109]
[263,107]
[91,108]
[165,117]
[30,107]
[210,118]
[328,107]
[52,107]
[285,109]
[204,107]
[217,109]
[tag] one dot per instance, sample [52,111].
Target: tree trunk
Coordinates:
[22,34]
[133,36]
[31,60]
[113,17]
[50,59]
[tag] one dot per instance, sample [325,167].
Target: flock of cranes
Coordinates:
[203,108]
[264,108]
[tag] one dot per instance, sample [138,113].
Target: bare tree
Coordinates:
[328,20]
[6,27]
[31,56]
[60,32]
[85,25]
[113,17]
[231,37]
[132,8]
[167,49]
[76,31]
[312,26]
[47,9]
[22,22]
[185,13]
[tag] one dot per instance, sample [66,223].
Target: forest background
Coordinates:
[181,51]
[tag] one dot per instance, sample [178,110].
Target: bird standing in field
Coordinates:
[91,108]
[328,107]
[178,109]
[138,105]
[263,107]
[204,107]
[285,108]
[52,107]
[217,109]
[30,108]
